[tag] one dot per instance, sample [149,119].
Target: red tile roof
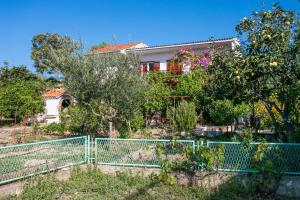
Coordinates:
[54,93]
[115,47]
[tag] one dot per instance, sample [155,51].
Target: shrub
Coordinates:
[184,117]
[54,128]
[138,121]
[80,120]
[124,132]
[223,112]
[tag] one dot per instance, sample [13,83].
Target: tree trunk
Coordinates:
[253,122]
[271,113]
[15,118]
[290,129]
[110,128]
[129,127]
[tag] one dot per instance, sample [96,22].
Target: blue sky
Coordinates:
[150,21]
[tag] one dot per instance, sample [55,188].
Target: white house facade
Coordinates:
[56,100]
[156,58]
[153,58]
[160,55]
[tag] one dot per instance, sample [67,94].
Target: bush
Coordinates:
[184,117]
[54,128]
[80,120]
[223,112]
[124,132]
[138,121]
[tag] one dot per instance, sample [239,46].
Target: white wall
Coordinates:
[163,54]
[52,106]
[52,109]
[161,57]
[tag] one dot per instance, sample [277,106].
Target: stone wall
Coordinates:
[285,186]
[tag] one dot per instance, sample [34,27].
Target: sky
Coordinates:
[152,22]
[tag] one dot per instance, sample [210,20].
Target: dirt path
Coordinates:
[7,134]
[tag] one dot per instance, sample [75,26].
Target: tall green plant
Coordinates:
[223,112]
[184,117]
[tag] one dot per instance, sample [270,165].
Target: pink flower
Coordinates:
[181,51]
[204,61]
[206,52]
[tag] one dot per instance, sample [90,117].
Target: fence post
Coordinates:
[194,146]
[95,147]
[89,149]
[86,152]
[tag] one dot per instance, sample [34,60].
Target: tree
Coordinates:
[267,67]
[50,49]
[108,84]
[20,93]
[10,75]
[19,100]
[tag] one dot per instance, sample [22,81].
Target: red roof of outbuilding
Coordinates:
[54,93]
[116,47]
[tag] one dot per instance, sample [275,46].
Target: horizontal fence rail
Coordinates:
[23,160]
[248,157]
[138,152]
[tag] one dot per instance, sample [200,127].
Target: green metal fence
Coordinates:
[25,160]
[138,152]
[243,157]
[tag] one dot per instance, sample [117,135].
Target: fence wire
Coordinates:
[25,160]
[248,157]
[138,152]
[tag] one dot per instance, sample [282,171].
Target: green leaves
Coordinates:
[267,64]
[223,112]
[108,84]
[79,120]
[184,117]
[20,99]
[49,51]
[191,85]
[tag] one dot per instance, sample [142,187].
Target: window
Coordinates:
[150,66]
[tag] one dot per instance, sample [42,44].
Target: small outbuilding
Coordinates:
[57,101]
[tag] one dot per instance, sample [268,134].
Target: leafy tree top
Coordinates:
[48,50]
[13,74]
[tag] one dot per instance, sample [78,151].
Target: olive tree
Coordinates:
[108,84]
[48,49]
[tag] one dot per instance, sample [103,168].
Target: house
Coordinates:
[57,100]
[159,57]
[153,58]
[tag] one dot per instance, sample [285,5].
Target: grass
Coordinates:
[92,184]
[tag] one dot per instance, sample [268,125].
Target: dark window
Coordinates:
[151,66]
